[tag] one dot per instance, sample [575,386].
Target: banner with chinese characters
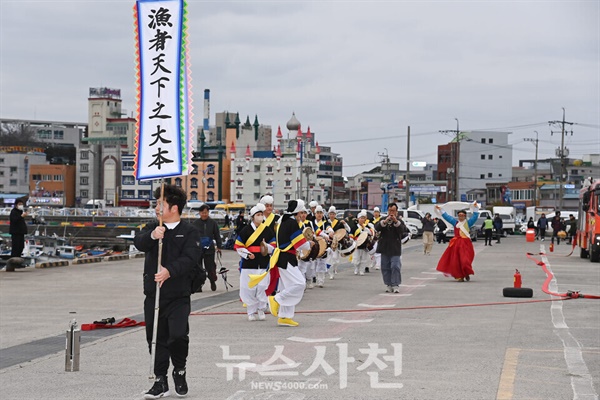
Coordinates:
[164,131]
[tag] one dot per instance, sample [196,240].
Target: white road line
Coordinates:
[414,277]
[432,273]
[395,294]
[403,285]
[376,305]
[581,379]
[310,340]
[350,321]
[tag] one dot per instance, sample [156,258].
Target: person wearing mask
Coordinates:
[498,227]
[17,228]
[458,258]
[361,257]
[180,254]
[428,227]
[392,234]
[488,227]
[542,225]
[209,235]
[254,244]
[292,283]
[320,226]
[376,256]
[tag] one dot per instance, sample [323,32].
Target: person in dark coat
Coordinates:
[392,233]
[209,235]
[498,227]
[572,225]
[240,222]
[542,225]
[557,226]
[18,228]
[441,226]
[180,253]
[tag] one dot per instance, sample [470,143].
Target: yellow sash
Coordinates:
[255,234]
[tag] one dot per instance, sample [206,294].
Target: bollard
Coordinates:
[72,347]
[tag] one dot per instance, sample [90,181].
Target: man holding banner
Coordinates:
[164,134]
[180,252]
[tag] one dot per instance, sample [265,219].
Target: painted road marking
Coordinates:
[395,294]
[350,321]
[376,305]
[414,277]
[310,340]
[506,385]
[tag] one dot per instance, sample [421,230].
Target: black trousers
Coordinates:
[208,260]
[488,236]
[172,333]
[18,244]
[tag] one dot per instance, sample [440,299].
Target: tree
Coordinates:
[18,134]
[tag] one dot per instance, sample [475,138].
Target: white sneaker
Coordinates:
[376,267]
[261,315]
[356,271]
[310,285]
[361,273]
[251,317]
[330,276]
[388,289]
[396,289]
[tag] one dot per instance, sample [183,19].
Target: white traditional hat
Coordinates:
[376,209]
[313,204]
[362,213]
[267,199]
[295,206]
[332,209]
[318,209]
[261,207]
[254,210]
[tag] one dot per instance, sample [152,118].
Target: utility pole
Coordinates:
[408,167]
[535,187]
[562,152]
[455,159]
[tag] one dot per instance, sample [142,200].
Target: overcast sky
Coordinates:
[357,72]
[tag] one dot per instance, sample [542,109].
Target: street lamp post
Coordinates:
[535,186]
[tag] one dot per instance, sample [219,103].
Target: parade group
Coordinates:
[280,257]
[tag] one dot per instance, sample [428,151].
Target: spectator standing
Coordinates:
[209,235]
[428,227]
[488,227]
[542,225]
[18,227]
[441,229]
[557,226]
[572,228]
[498,227]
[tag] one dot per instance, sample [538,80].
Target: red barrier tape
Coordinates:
[124,323]
[570,294]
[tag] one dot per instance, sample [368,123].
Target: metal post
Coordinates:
[408,168]
[73,341]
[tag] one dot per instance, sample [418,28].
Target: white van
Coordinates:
[95,204]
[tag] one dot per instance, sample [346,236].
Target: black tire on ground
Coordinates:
[595,255]
[517,292]
[583,253]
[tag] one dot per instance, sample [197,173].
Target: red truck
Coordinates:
[588,232]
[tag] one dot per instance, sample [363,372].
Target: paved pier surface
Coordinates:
[436,339]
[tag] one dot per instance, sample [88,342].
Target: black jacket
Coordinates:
[390,238]
[180,254]
[209,228]
[17,222]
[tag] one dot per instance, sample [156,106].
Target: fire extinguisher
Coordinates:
[551,247]
[517,279]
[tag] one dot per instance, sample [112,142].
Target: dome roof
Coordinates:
[293,124]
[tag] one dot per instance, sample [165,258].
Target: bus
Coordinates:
[588,232]
[233,208]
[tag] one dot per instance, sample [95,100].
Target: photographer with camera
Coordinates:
[393,233]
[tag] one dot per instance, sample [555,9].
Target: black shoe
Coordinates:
[181,387]
[314,279]
[159,389]
[213,285]
[366,269]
